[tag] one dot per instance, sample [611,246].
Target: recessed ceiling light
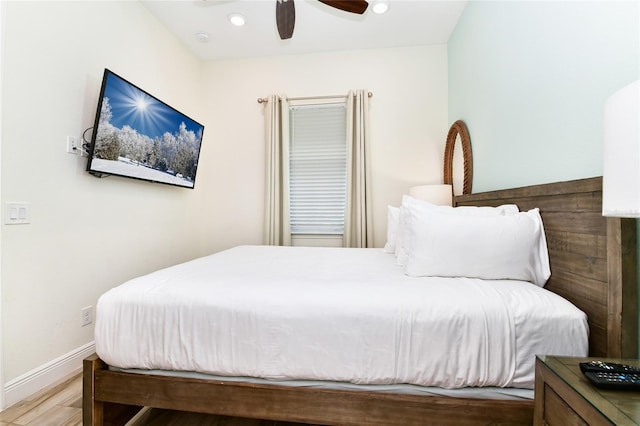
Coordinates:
[237,19]
[380,6]
[202,36]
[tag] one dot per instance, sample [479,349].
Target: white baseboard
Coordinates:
[49,374]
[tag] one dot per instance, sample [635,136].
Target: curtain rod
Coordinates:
[265,100]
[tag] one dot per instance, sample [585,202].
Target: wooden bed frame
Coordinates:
[593,264]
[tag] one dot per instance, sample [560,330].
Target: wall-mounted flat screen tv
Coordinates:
[138,136]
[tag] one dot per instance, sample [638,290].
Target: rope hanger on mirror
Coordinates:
[459,129]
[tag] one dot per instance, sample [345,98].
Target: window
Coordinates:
[318,168]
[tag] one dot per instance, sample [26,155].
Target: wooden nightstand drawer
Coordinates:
[557,412]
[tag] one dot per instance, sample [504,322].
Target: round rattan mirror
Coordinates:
[458,132]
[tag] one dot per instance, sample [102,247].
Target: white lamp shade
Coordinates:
[435,194]
[621,156]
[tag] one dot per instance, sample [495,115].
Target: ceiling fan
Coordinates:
[286,13]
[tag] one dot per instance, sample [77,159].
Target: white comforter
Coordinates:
[334,314]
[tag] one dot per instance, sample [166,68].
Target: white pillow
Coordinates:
[511,246]
[402,237]
[403,248]
[393,214]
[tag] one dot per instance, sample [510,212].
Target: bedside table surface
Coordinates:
[620,407]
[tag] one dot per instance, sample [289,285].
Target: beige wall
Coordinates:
[408,127]
[88,235]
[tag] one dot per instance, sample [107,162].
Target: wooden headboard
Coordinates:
[593,258]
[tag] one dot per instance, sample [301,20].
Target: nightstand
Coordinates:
[564,396]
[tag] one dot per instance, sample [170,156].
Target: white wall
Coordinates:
[86,234]
[2,26]
[530,79]
[408,127]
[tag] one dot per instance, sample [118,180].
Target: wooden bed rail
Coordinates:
[273,402]
[98,412]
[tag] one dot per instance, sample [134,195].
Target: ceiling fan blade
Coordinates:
[285,18]
[353,6]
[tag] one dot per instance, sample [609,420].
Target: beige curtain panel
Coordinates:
[277,229]
[358,227]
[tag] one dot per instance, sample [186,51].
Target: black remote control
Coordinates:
[608,367]
[618,381]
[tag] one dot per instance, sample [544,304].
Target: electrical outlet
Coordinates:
[87,315]
[73,146]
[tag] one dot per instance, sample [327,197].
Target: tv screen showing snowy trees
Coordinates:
[136,135]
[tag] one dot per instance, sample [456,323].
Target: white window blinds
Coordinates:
[318,168]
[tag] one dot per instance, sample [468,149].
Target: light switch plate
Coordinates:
[17,213]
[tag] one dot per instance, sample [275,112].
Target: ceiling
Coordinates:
[318,27]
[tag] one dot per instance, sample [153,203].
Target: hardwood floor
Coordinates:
[61,405]
[57,406]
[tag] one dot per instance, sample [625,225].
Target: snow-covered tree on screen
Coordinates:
[107,143]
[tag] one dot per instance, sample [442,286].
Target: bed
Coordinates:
[593,265]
